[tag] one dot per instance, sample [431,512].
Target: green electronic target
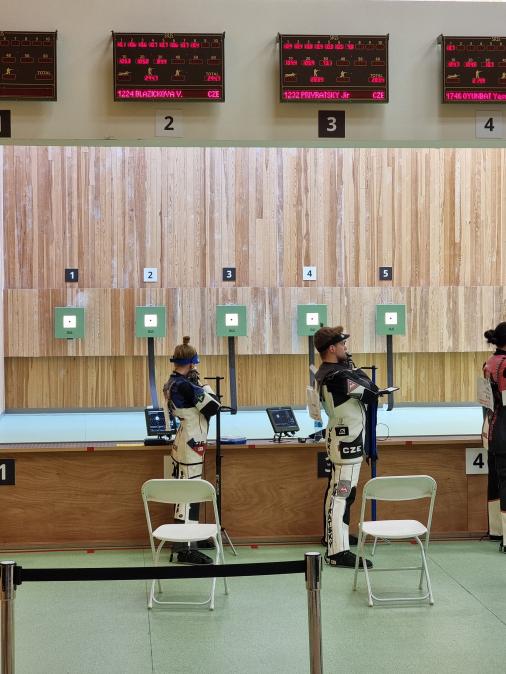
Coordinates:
[231,320]
[150,322]
[69,322]
[390,319]
[310,318]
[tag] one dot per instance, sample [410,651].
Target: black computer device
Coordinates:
[155,420]
[283,422]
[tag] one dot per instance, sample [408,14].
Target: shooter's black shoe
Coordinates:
[345,558]
[502,548]
[192,556]
[208,544]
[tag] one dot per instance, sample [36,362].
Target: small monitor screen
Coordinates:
[282,419]
[150,320]
[313,319]
[391,318]
[155,421]
[70,321]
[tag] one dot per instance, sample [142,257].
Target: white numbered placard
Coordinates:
[313,319]
[150,275]
[391,318]
[232,320]
[169,124]
[70,322]
[476,461]
[150,320]
[489,124]
[484,393]
[309,273]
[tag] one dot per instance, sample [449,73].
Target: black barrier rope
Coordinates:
[22,575]
[12,575]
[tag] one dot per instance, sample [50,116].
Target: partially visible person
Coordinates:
[193,404]
[344,393]
[494,434]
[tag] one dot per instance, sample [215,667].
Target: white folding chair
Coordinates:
[398,488]
[185,492]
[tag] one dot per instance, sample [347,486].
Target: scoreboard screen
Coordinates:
[169,66]
[473,69]
[27,66]
[346,68]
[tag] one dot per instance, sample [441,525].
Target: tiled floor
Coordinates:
[105,628]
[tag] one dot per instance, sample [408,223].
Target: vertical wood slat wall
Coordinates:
[119,382]
[2,365]
[436,215]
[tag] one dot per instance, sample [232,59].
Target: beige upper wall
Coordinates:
[85,109]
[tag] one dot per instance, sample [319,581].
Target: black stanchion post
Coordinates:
[7,595]
[313,582]
[151,371]
[231,371]
[217,391]
[373,443]
[390,371]
[310,340]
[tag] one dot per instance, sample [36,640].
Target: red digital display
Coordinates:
[169,66]
[474,69]
[27,66]
[344,68]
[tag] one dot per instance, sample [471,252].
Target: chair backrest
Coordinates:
[178,491]
[400,488]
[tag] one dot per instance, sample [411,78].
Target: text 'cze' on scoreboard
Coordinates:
[28,66]
[474,69]
[347,68]
[169,66]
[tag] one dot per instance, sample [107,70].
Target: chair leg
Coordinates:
[360,552]
[374,546]
[156,560]
[220,553]
[368,581]
[426,569]
[151,594]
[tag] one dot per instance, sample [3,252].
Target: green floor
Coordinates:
[105,628]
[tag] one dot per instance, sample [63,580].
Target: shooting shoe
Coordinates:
[346,559]
[192,556]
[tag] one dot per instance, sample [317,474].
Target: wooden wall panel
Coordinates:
[73,497]
[78,499]
[2,283]
[2,347]
[450,319]
[117,382]
[477,508]
[437,215]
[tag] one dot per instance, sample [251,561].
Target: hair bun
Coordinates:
[186,340]
[490,336]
